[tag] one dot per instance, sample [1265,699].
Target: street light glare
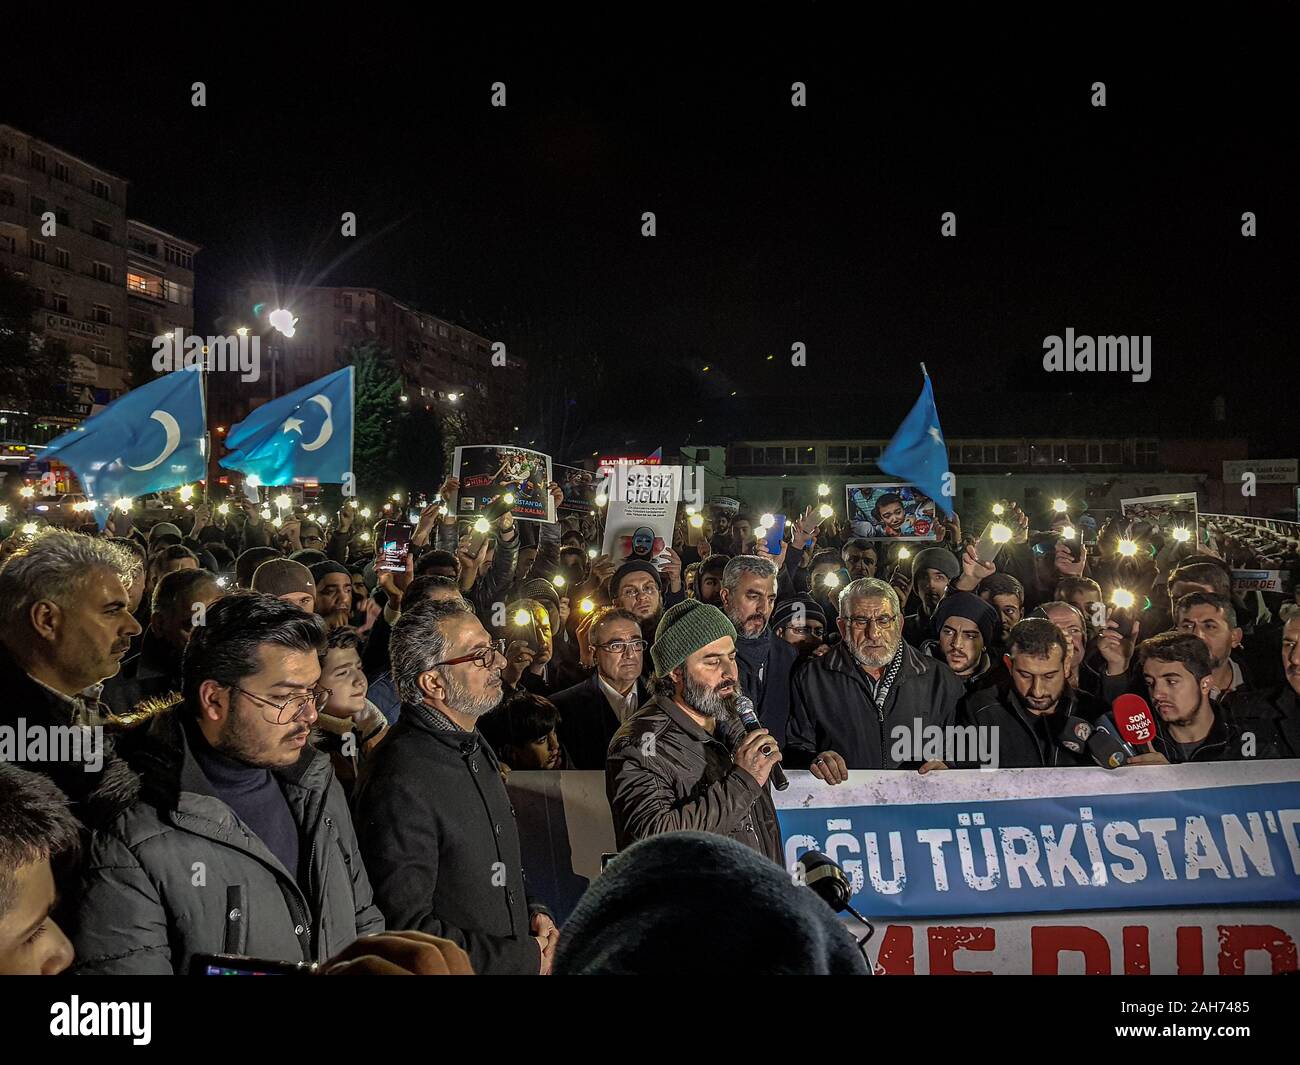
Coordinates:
[283,321]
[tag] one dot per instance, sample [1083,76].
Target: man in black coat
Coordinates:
[1271,719]
[1026,714]
[592,710]
[765,661]
[848,704]
[433,818]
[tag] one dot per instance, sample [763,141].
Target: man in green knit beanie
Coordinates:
[684,761]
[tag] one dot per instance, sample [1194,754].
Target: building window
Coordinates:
[442,330]
[61,170]
[38,250]
[6,197]
[103,272]
[179,294]
[101,189]
[740,456]
[1040,454]
[103,314]
[1009,455]
[972,454]
[101,355]
[38,160]
[1094,454]
[178,256]
[63,258]
[1076,454]
[59,301]
[101,231]
[1145,452]
[1112,454]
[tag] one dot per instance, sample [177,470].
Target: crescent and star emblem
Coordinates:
[173,431]
[294,425]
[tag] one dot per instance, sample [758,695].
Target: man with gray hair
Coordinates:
[765,661]
[65,624]
[847,703]
[433,818]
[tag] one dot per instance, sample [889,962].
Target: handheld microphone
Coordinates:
[745,709]
[823,875]
[1074,737]
[1134,721]
[1106,750]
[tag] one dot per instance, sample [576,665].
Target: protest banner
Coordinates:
[640,514]
[1167,512]
[1261,580]
[1162,869]
[486,471]
[579,487]
[889,511]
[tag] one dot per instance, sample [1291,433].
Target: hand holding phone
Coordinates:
[393,546]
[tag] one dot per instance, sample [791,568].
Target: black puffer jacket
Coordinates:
[665,773]
[832,709]
[440,842]
[1019,743]
[176,872]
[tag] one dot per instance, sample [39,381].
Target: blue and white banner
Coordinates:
[1032,841]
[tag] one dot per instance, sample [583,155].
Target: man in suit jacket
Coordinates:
[592,711]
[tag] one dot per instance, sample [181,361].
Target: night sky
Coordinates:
[775,224]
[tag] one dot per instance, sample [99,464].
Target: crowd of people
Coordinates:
[302,751]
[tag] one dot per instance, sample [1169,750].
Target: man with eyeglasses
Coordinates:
[846,703]
[434,819]
[638,587]
[592,711]
[230,833]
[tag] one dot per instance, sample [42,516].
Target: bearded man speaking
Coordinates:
[684,761]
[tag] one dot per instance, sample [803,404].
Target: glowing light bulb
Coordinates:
[1060,505]
[586,606]
[1182,535]
[998,510]
[825,510]
[1122,598]
[482,525]
[823,489]
[697,521]
[1127,548]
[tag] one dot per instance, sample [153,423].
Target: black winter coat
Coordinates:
[1018,745]
[440,843]
[831,709]
[771,691]
[1273,720]
[587,723]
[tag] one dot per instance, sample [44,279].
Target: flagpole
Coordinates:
[923,371]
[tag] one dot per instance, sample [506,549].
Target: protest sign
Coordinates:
[1158,869]
[1167,512]
[889,512]
[640,513]
[486,471]
[1261,580]
[579,487]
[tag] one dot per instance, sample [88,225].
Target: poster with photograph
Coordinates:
[641,512]
[1177,511]
[1263,543]
[579,487]
[486,471]
[889,512]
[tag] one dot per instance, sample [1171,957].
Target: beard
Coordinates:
[705,700]
[461,701]
[238,741]
[740,621]
[873,661]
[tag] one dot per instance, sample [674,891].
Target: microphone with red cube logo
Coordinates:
[1135,722]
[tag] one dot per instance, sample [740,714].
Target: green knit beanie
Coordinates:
[684,629]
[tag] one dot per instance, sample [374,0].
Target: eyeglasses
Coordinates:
[293,707]
[482,657]
[884,621]
[637,593]
[622,647]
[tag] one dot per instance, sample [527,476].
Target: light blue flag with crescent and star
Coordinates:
[149,439]
[918,453]
[306,435]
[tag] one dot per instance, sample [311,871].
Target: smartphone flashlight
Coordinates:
[904,552]
[1182,535]
[767,520]
[591,552]
[825,510]
[999,510]
[1121,598]
[831,580]
[1060,505]
[1000,534]
[522,617]
[1127,548]
[1068,532]
[586,606]
[482,525]
[558,580]
[823,489]
[697,521]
